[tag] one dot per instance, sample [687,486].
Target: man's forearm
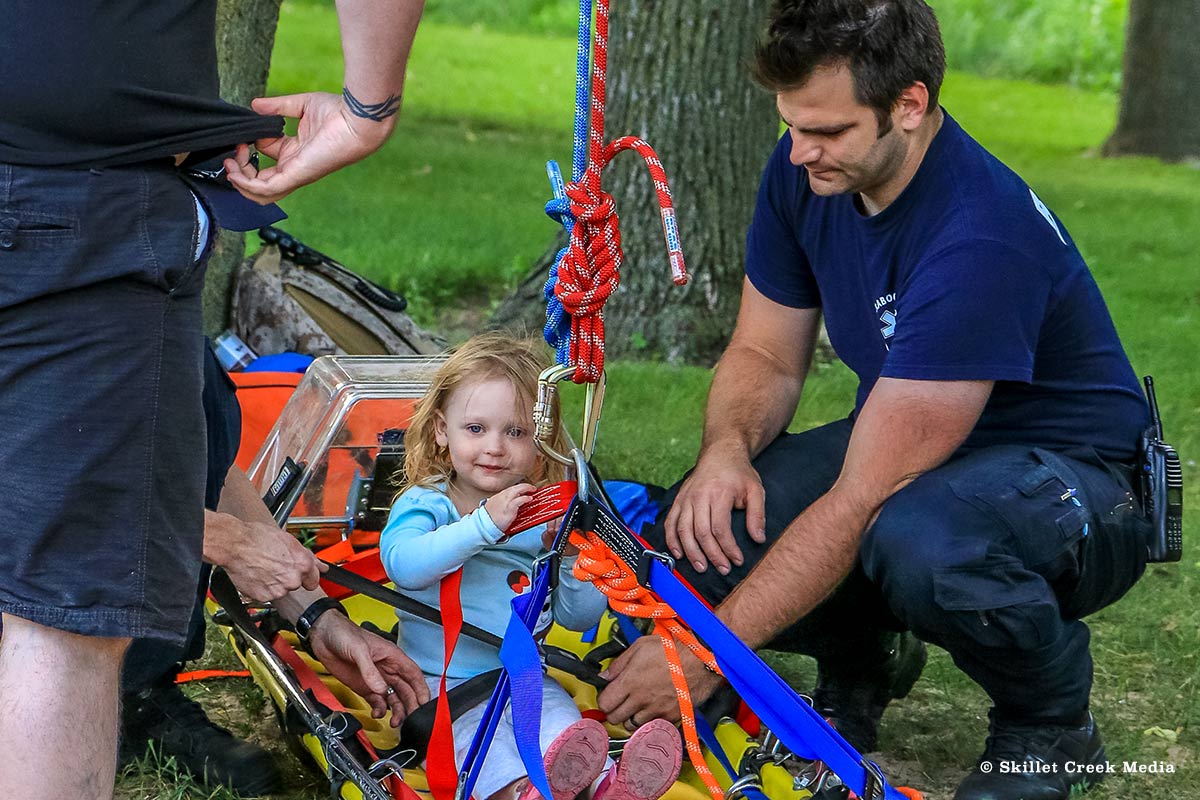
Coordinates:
[751,402]
[295,602]
[824,539]
[240,499]
[377,37]
[905,429]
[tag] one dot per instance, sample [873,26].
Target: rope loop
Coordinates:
[589,272]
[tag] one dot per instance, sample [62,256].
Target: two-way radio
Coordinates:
[1161,487]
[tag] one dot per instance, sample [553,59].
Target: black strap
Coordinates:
[361,585]
[418,726]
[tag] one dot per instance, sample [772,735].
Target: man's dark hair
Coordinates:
[888,45]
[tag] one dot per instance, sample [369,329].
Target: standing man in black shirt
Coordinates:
[102,244]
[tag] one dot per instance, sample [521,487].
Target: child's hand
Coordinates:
[548,538]
[503,506]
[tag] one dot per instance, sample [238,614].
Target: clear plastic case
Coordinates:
[344,427]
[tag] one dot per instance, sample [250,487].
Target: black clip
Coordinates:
[584,518]
[873,788]
[643,565]
[551,561]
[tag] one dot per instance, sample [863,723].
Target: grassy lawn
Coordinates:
[450,213]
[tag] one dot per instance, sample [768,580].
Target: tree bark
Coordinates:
[677,79]
[1160,108]
[245,38]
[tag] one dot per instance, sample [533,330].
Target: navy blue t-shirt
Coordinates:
[967,275]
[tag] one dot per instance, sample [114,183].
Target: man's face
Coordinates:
[836,138]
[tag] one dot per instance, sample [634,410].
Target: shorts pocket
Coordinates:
[171,229]
[27,228]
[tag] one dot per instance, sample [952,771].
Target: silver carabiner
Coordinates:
[583,475]
[543,413]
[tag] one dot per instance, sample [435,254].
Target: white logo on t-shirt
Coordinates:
[1045,212]
[887,303]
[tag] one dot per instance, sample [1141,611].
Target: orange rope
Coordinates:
[616,580]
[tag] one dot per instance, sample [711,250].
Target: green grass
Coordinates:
[1079,42]
[464,176]
[450,213]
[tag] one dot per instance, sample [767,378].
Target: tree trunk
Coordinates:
[1160,108]
[677,79]
[245,37]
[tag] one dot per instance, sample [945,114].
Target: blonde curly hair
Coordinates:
[484,357]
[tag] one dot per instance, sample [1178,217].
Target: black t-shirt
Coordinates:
[104,82]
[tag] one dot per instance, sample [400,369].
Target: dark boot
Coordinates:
[853,701]
[1035,761]
[177,727]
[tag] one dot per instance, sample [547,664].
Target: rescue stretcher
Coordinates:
[327,468]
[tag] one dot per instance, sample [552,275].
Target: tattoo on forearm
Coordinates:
[373,111]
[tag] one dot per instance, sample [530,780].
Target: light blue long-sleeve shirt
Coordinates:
[426,539]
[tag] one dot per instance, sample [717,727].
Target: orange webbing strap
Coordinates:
[206,674]
[617,581]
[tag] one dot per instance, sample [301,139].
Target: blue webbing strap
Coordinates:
[521,681]
[797,724]
[558,323]
[524,665]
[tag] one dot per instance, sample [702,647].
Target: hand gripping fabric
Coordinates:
[522,676]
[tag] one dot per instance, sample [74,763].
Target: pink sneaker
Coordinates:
[648,766]
[574,759]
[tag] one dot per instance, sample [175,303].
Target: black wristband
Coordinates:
[304,624]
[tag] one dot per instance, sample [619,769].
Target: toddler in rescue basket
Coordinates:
[470,465]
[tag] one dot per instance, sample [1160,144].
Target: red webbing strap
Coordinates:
[206,674]
[547,503]
[441,771]
[366,564]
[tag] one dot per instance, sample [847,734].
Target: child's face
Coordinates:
[489,433]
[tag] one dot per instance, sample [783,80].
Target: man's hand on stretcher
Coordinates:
[376,669]
[266,563]
[641,689]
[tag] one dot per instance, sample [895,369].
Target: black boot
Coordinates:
[1035,762]
[177,727]
[853,701]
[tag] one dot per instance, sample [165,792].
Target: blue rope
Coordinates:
[582,54]
[558,323]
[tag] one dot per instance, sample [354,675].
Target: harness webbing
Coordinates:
[440,770]
[627,596]
[797,724]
